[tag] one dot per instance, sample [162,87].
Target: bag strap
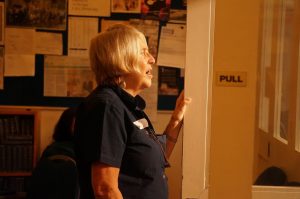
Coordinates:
[61,157]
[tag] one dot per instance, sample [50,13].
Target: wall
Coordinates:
[48,120]
[233,108]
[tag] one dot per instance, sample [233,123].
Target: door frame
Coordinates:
[198,86]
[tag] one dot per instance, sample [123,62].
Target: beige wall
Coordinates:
[233,108]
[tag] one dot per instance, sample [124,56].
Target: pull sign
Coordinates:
[231,79]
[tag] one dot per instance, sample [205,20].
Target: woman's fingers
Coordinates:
[181,107]
[180,98]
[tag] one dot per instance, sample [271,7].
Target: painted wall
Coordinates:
[48,120]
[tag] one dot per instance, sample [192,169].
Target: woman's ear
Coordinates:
[121,82]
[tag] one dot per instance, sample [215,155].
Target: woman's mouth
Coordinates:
[149,74]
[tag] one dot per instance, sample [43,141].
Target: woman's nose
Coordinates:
[151,59]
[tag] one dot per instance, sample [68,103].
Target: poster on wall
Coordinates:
[66,76]
[19,57]
[80,32]
[89,7]
[171,51]
[168,81]
[42,14]
[156,9]
[48,43]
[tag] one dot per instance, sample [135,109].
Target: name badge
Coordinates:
[141,123]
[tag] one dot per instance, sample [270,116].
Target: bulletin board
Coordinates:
[29,90]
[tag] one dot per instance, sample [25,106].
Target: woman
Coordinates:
[119,154]
[55,175]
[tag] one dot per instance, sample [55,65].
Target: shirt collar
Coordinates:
[136,102]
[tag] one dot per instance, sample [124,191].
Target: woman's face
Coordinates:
[137,81]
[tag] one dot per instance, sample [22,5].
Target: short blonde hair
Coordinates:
[115,52]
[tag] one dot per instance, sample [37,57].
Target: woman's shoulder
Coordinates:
[60,148]
[103,98]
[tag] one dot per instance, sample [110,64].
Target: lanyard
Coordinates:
[153,136]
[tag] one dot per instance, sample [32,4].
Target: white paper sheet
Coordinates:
[171,50]
[19,41]
[81,31]
[66,76]
[48,43]
[19,65]
[19,52]
[89,7]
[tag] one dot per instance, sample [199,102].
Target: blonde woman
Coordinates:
[119,154]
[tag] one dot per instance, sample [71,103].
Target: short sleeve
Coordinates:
[100,134]
[112,136]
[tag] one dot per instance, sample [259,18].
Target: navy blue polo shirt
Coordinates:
[112,128]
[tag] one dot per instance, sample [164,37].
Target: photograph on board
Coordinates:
[126,6]
[168,80]
[41,14]
[156,9]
